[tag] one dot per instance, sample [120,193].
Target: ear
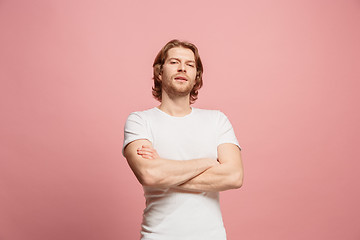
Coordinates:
[159,76]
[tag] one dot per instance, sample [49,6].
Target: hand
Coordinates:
[147,152]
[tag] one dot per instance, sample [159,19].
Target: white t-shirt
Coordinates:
[171,214]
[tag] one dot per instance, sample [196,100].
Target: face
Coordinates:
[178,72]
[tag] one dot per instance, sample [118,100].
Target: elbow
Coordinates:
[148,179]
[237,181]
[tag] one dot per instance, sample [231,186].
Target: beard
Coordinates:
[174,89]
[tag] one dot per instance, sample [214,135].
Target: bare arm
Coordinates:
[151,170]
[226,175]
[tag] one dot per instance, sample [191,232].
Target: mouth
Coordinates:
[181,79]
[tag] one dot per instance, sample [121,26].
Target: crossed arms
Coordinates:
[196,175]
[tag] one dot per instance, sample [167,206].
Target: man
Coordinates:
[183,156]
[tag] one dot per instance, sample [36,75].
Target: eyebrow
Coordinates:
[179,60]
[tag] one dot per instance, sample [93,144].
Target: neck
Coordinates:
[175,106]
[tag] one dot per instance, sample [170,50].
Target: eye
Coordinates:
[191,65]
[173,62]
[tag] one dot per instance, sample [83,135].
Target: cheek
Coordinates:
[193,74]
[169,72]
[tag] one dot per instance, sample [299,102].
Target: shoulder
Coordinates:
[141,115]
[212,113]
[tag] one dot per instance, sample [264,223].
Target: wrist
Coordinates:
[213,162]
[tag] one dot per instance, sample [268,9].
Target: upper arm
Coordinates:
[136,162]
[230,154]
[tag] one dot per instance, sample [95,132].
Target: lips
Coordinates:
[180,78]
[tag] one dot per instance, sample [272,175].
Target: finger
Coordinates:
[143,147]
[143,154]
[148,150]
[147,157]
[145,151]
[146,146]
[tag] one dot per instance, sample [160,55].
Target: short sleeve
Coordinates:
[225,131]
[135,128]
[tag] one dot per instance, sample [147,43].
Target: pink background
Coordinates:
[285,72]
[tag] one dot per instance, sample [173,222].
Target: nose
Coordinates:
[181,68]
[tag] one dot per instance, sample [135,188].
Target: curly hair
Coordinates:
[160,60]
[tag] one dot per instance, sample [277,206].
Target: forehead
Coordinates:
[181,53]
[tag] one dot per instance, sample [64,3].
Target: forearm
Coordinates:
[218,178]
[168,173]
[193,175]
